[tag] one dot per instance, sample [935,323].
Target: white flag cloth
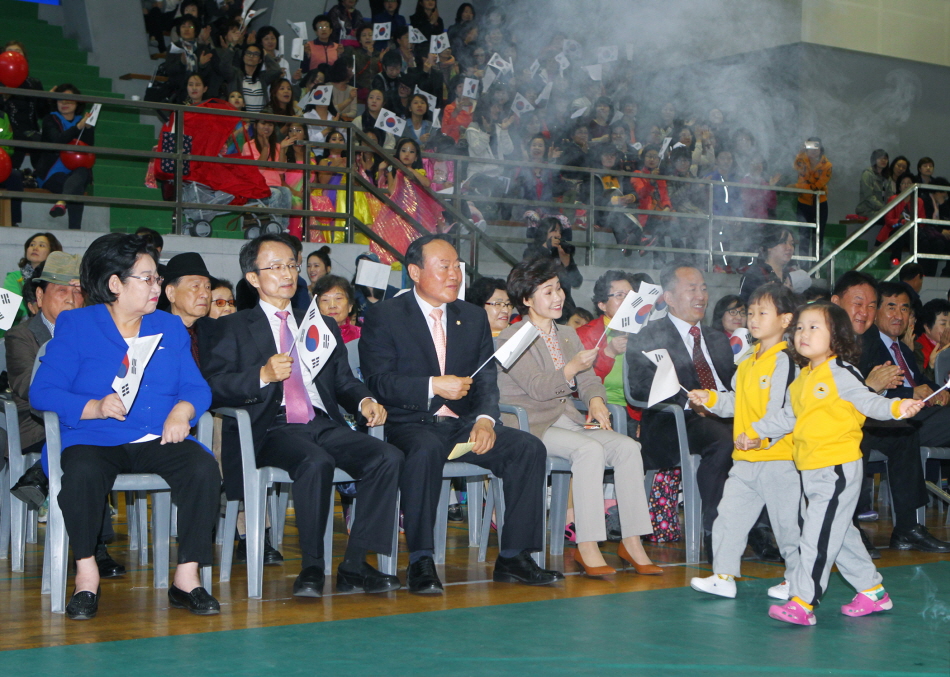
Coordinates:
[390,122]
[517,344]
[428,97]
[382,31]
[299,28]
[372,274]
[579,112]
[521,105]
[415,36]
[739,342]
[470,88]
[562,61]
[546,92]
[595,71]
[94,114]
[296,49]
[665,384]
[439,43]
[315,342]
[436,118]
[319,96]
[498,62]
[633,314]
[607,54]
[655,292]
[488,79]
[129,376]
[9,304]
[534,68]
[572,48]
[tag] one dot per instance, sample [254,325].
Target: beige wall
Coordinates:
[918,30]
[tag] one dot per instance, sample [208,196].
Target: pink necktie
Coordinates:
[297,401]
[908,374]
[438,337]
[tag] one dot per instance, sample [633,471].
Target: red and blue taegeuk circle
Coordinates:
[124,367]
[313,338]
[736,343]
[643,314]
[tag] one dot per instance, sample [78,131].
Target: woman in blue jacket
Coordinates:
[100,438]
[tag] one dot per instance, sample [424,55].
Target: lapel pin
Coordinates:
[459,322]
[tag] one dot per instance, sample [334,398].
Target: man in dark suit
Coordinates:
[882,344]
[412,350]
[703,359]
[297,425]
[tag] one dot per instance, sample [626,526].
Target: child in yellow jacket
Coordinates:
[764,476]
[826,407]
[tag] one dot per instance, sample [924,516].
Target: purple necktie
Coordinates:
[908,374]
[706,379]
[298,406]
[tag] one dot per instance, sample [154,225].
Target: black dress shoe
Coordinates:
[32,488]
[365,578]
[455,513]
[271,554]
[83,605]
[108,567]
[422,578]
[309,582]
[872,551]
[199,601]
[522,569]
[918,538]
[760,538]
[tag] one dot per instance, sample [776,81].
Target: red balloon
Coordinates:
[74,159]
[6,165]
[13,69]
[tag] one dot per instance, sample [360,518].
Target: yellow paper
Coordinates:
[460,449]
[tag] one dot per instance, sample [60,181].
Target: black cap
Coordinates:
[188,263]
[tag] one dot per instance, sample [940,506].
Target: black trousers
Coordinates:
[900,442]
[712,440]
[518,458]
[310,452]
[73,183]
[192,473]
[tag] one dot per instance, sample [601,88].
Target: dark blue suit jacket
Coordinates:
[874,352]
[397,358]
[82,360]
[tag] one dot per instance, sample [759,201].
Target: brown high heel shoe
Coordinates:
[592,571]
[642,569]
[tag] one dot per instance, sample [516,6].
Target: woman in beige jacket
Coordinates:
[544,380]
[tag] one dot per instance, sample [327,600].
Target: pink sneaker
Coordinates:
[793,612]
[862,605]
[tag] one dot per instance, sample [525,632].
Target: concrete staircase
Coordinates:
[55,60]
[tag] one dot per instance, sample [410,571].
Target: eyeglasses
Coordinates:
[256,55]
[281,267]
[221,303]
[618,295]
[736,312]
[150,279]
[504,305]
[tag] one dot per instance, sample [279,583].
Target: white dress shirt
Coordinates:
[271,313]
[683,328]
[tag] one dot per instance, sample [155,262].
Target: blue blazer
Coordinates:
[83,358]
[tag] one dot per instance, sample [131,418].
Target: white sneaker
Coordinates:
[779,591]
[714,586]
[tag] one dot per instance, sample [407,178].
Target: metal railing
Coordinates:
[883,248]
[358,141]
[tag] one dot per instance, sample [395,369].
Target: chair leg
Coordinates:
[486,524]
[227,546]
[141,519]
[206,578]
[161,535]
[45,585]
[692,510]
[560,489]
[441,522]
[255,500]
[131,521]
[32,527]
[19,514]
[173,522]
[328,536]
[474,489]
[387,563]
[278,515]
[6,508]
[59,552]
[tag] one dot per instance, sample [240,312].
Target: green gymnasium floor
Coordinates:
[656,632]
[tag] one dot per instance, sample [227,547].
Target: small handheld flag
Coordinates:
[390,122]
[382,31]
[128,376]
[665,383]
[315,342]
[509,353]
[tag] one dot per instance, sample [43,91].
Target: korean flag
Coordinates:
[315,342]
[415,36]
[320,96]
[382,31]
[521,105]
[390,122]
[470,88]
[9,304]
[439,43]
[128,376]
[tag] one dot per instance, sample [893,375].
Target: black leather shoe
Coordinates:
[271,554]
[872,551]
[108,567]
[366,579]
[309,582]
[83,605]
[199,601]
[760,538]
[918,538]
[455,513]
[422,578]
[522,569]
[32,488]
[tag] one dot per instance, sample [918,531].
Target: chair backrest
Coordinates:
[353,355]
[942,367]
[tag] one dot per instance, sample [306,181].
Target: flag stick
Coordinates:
[483,364]
[601,339]
[943,387]
[684,389]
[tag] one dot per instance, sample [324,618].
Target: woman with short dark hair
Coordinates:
[336,299]
[543,380]
[491,294]
[874,187]
[35,251]
[102,438]
[776,249]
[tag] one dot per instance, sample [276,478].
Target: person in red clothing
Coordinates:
[457,116]
[933,327]
[899,214]
[651,192]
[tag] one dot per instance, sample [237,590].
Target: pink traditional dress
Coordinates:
[396,230]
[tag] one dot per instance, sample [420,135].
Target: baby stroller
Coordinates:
[197,222]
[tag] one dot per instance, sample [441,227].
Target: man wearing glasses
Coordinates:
[297,424]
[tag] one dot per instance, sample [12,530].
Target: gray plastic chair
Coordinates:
[884,497]
[257,482]
[926,453]
[12,510]
[689,464]
[57,541]
[942,367]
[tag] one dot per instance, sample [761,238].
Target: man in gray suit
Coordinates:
[53,289]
